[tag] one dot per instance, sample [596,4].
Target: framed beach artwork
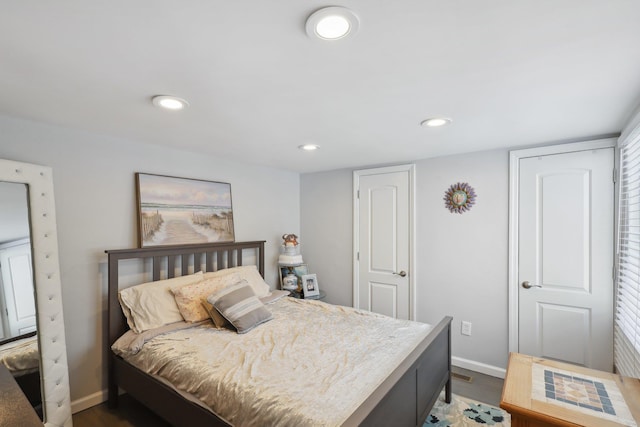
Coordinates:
[178,211]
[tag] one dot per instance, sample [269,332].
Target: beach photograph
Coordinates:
[177,211]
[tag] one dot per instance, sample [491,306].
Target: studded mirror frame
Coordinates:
[54,371]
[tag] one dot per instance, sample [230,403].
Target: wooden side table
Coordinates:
[540,393]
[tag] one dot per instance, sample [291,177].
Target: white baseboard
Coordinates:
[88,401]
[483,368]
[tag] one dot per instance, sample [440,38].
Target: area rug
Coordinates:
[463,412]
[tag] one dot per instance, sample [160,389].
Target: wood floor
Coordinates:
[130,413]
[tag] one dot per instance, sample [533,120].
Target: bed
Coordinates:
[22,359]
[402,397]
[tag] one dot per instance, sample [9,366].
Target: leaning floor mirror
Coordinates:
[30,289]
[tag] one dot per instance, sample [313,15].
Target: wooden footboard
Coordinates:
[403,399]
[406,397]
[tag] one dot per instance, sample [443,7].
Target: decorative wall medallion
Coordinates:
[459,197]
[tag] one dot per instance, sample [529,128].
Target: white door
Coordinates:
[566,257]
[383,223]
[17,280]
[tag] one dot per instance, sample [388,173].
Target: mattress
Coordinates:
[313,364]
[21,357]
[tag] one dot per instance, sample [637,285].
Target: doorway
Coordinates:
[384,267]
[561,253]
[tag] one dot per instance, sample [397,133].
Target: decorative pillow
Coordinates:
[240,306]
[249,273]
[189,298]
[151,305]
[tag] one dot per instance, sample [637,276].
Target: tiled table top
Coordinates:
[542,392]
[578,392]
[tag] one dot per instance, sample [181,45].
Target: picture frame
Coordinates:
[298,270]
[178,211]
[310,285]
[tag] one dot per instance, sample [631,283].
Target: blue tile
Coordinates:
[593,408]
[551,394]
[567,401]
[609,410]
[582,380]
[549,387]
[606,401]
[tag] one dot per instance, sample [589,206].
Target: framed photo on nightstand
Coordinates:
[299,270]
[310,285]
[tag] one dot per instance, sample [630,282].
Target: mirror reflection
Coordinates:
[18,338]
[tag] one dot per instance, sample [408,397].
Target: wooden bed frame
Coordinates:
[405,398]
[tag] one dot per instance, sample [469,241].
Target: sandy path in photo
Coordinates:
[179,231]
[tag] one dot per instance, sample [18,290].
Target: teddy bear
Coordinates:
[290,239]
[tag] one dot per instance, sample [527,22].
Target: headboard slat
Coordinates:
[219,265]
[209,261]
[185,264]
[157,263]
[171,267]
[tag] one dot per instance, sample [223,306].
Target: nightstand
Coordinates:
[320,297]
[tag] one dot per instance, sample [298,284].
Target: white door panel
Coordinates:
[383,242]
[383,299]
[17,279]
[569,325]
[566,256]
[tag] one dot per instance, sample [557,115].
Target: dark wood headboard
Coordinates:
[214,256]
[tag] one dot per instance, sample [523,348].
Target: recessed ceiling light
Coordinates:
[308,147]
[332,23]
[435,122]
[169,102]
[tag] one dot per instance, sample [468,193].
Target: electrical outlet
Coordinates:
[465,328]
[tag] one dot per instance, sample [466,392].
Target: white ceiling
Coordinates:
[509,73]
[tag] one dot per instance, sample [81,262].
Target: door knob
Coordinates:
[528,285]
[401,274]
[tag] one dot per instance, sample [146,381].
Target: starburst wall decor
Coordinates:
[459,198]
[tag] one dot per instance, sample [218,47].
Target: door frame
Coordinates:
[514,197]
[411,170]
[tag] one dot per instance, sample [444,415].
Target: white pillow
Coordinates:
[151,305]
[249,273]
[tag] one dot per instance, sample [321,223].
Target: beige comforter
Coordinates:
[21,357]
[312,365]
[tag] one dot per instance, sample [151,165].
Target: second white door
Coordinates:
[566,257]
[383,244]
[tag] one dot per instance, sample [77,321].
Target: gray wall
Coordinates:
[462,260]
[95,206]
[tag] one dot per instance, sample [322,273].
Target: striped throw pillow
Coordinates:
[240,306]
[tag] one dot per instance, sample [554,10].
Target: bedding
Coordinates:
[313,364]
[21,357]
[152,305]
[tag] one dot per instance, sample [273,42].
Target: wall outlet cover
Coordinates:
[465,328]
